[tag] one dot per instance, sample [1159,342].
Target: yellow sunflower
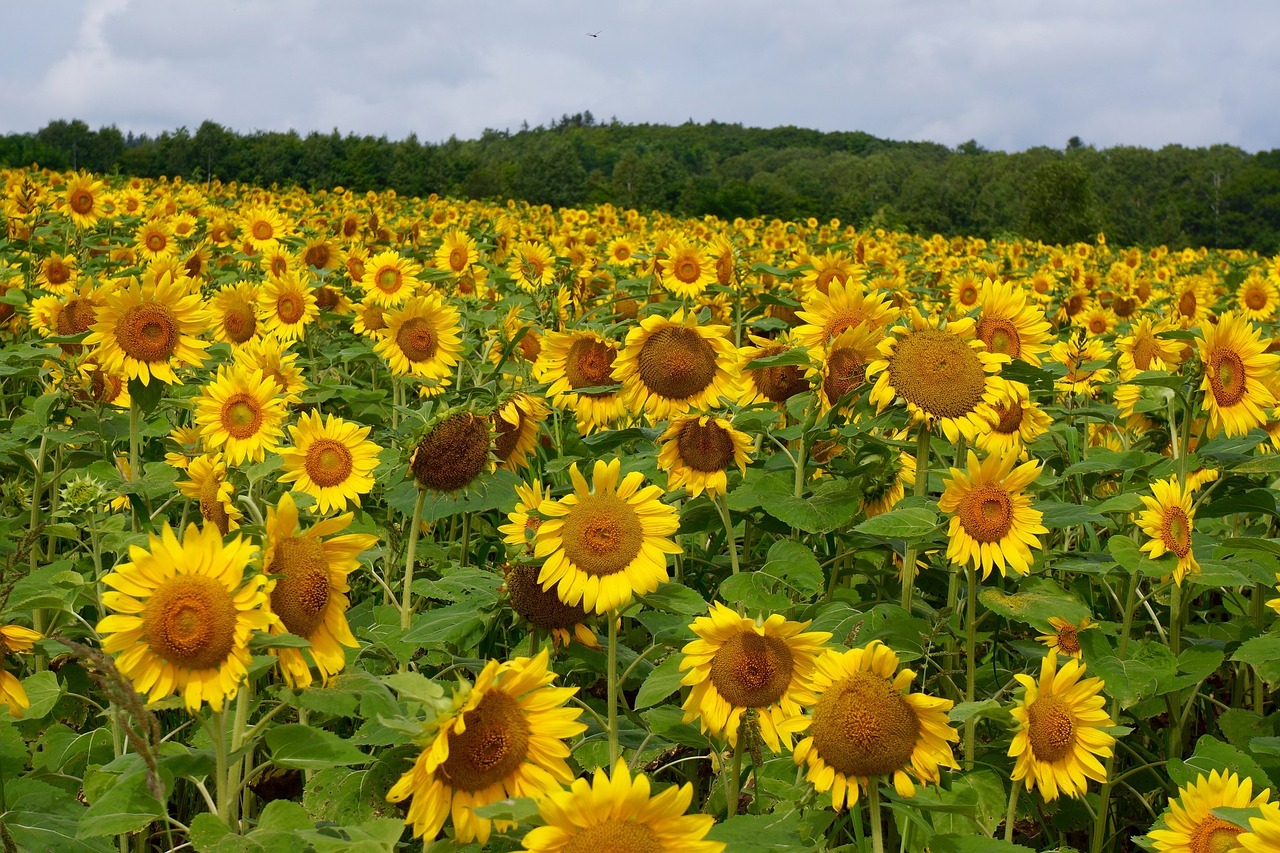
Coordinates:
[542,608]
[739,663]
[581,359]
[1190,298]
[686,271]
[370,320]
[523,522]
[1169,521]
[828,268]
[85,199]
[942,372]
[843,306]
[1018,421]
[1065,636]
[504,738]
[233,313]
[183,615]
[1264,832]
[671,365]
[262,228]
[774,384]
[332,460]
[1258,297]
[457,252]
[1143,349]
[58,273]
[271,355]
[1238,375]
[1060,733]
[696,451]
[286,306]
[423,338]
[516,426]
[14,639]
[389,279]
[241,412]
[1084,359]
[608,541]
[209,486]
[1190,826]
[844,365]
[532,266]
[310,599]
[1008,325]
[617,813]
[321,253]
[865,725]
[144,331]
[882,493]
[992,520]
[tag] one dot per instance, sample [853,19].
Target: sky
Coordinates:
[1008,74]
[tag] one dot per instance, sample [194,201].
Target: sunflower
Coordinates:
[865,724]
[154,240]
[605,542]
[697,450]
[1258,297]
[320,253]
[423,338]
[1060,730]
[58,273]
[1096,321]
[271,355]
[830,267]
[1190,301]
[622,251]
[1238,375]
[516,425]
[826,315]
[671,365]
[581,359]
[1065,636]
[686,271]
[390,279]
[14,638]
[617,813]
[1169,520]
[543,609]
[1083,357]
[992,521]
[882,493]
[532,266]
[966,290]
[1143,349]
[331,460]
[242,412]
[279,261]
[370,320]
[1018,421]
[1264,834]
[234,318]
[523,522]
[942,372]
[457,252]
[738,664]
[1008,325]
[310,596]
[85,197]
[844,365]
[183,614]
[262,228]
[285,306]
[1190,826]
[503,738]
[144,330]
[209,486]
[774,384]
[455,450]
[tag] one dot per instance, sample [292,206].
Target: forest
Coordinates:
[1220,196]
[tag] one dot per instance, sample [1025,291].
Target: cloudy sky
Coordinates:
[1010,74]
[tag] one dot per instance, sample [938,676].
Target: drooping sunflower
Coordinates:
[1008,325]
[866,725]
[686,270]
[390,279]
[1189,824]
[843,306]
[504,738]
[311,597]
[1065,636]
[696,451]
[209,486]
[454,451]
[543,609]
[942,371]
[606,541]
[522,525]
[85,199]
[1018,421]
[671,365]
[457,252]
[183,615]
[739,663]
[1060,733]
[234,313]
[1169,520]
[617,813]
[286,305]
[145,331]
[774,384]
[241,412]
[332,460]
[516,424]
[581,359]
[992,522]
[1238,375]
[423,338]
[532,265]
[881,494]
[14,639]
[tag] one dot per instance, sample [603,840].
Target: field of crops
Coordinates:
[354,522]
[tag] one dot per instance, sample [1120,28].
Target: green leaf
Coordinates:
[758,833]
[1059,515]
[798,356]
[1212,754]
[1126,503]
[796,566]
[986,708]
[1133,559]
[126,806]
[207,830]
[520,810]
[300,747]
[1196,663]
[1263,654]
[974,844]
[661,683]
[1239,817]
[146,397]
[1253,501]
[43,692]
[411,685]
[907,524]
[454,624]
[261,641]
[1036,600]
[755,591]
[1129,681]
[676,598]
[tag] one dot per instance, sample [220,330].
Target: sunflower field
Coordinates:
[356,522]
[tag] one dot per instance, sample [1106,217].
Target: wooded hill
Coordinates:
[1219,196]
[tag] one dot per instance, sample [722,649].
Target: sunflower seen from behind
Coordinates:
[503,738]
[242,413]
[993,524]
[212,491]
[331,459]
[147,331]
[1189,824]
[182,614]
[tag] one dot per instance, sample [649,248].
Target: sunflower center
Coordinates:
[1226,376]
[687,269]
[778,384]
[845,371]
[81,201]
[290,307]
[1010,417]
[211,508]
[529,346]
[148,332]
[968,295]
[300,597]
[1214,835]
[239,322]
[454,453]
[589,364]
[1069,639]
[492,747]
[986,513]
[388,279]
[1074,304]
[1144,351]
[602,534]
[373,318]
[724,269]
[241,415]
[938,372]
[1050,728]
[1176,531]
[840,322]
[1000,335]
[507,435]
[705,447]
[863,727]
[156,241]
[262,230]
[752,671]
[615,836]
[57,272]
[417,339]
[190,621]
[1124,306]
[542,607]
[328,462]
[76,317]
[317,256]
[1187,303]
[1255,299]
[458,258]
[676,363]
[326,297]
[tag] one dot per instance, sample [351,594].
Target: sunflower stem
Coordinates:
[1100,822]
[406,604]
[877,832]
[722,504]
[733,778]
[466,538]
[237,740]
[614,751]
[971,667]
[1175,619]
[921,486]
[135,412]
[218,733]
[1011,812]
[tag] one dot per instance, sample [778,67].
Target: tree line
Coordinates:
[1220,196]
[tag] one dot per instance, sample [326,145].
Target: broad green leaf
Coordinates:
[1036,600]
[676,598]
[974,844]
[661,683]
[1212,754]
[520,810]
[1129,681]
[302,747]
[1263,654]
[758,833]
[907,524]
[126,806]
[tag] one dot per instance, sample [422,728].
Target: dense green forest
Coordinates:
[1219,196]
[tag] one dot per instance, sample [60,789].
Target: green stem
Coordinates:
[1175,619]
[135,442]
[877,833]
[1011,812]
[1104,797]
[614,750]
[922,482]
[218,733]
[734,777]
[722,505]
[236,778]
[1256,611]
[971,666]
[406,604]
[466,538]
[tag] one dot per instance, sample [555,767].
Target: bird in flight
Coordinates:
[596,34]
